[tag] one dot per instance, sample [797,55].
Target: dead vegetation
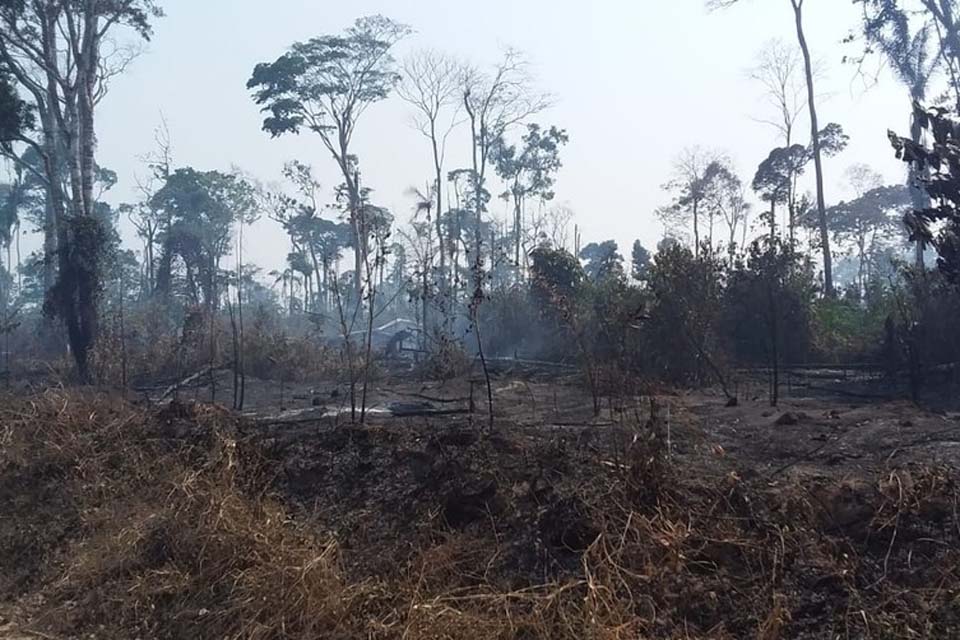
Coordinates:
[186,522]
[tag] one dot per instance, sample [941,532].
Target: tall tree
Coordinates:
[603,260]
[775,179]
[904,39]
[54,50]
[777,70]
[727,198]
[325,85]
[431,83]
[798,6]
[875,214]
[640,260]
[203,208]
[528,171]
[495,103]
[147,220]
[694,176]
[317,238]
[938,225]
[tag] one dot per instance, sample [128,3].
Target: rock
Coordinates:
[789,419]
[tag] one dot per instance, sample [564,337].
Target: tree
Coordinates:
[17,119]
[873,216]
[431,83]
[603,261]
[777,69]
[775,179]
[145,218]
[777,176]
[528,172]
[325,85]
[726,197]
[903,38]
[767,305]
[695,173]
[887,28]
[495,103]
[54,51]
[317,238]
[687,291]
[937,225]
[202,208]
[798,6]
[640,260]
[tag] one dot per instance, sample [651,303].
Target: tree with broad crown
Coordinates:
[325,85]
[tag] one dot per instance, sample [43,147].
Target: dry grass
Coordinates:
[130,523]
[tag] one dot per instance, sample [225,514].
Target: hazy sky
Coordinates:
[635,81]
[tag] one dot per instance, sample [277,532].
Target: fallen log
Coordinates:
[421,396]
[193,378]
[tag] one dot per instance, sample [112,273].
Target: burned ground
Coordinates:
[666,517]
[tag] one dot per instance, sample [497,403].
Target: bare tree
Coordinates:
[494,103]
[728,199]
[558,221]
[778,71]
[431,85]
[146,219]
[692,180]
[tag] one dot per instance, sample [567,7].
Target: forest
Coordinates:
[473,415]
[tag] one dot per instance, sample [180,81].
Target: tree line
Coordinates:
[351,266]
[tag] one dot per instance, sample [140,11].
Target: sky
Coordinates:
[634,82]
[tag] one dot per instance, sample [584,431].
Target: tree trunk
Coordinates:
[773,221]
[918,196]
[87,80]
[817,156]
[696,229]
[438,176]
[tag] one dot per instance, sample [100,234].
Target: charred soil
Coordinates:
[668,517]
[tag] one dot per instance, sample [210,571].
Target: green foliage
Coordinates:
[553,273]
[775,175]
[328,81]
[530,169]
[937,224]
[201,209]
[603,261]
[16,116]
[83,252]
[680,332]
[640,260]
[767,305]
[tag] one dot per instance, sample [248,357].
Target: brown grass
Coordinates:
[129,523]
